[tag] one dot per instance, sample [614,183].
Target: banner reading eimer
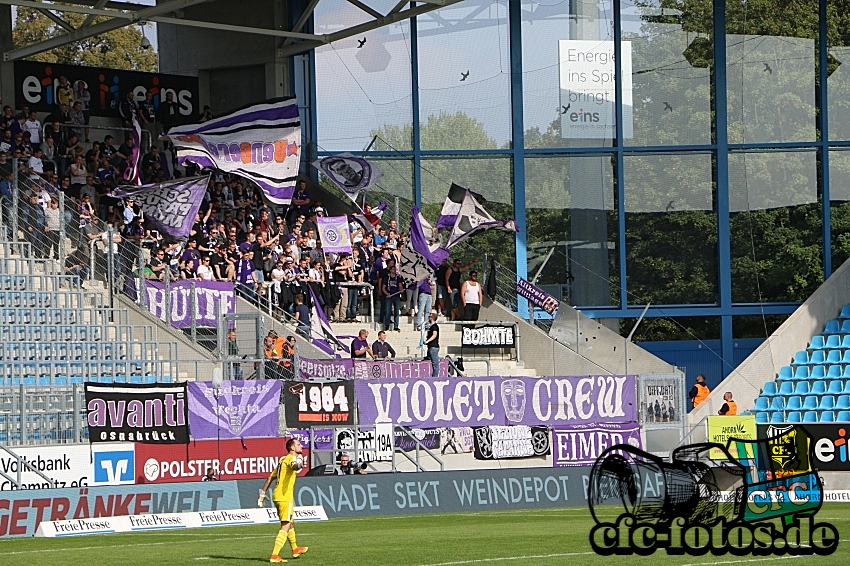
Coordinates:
[497,401]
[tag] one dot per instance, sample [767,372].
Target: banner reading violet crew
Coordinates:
[238,409]
[455,402]
[210,297]
[536,296]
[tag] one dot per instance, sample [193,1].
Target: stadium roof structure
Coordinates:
[121,14]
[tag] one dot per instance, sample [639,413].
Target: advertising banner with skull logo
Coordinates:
[519,441]
[488,401]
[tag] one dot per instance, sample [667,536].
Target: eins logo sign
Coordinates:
[762,502]
[827,450]
[108,92]
[583,116]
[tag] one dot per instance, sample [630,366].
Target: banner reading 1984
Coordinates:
[314,404]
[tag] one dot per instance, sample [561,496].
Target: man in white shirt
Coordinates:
[33,126]
[204,270]
[471,297]
[35,165]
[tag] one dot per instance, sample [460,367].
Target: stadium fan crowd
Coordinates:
[266,251]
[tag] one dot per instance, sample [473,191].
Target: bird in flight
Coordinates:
[668,107]
[565,108]
[669,206]
[361,43]
[767,68]
[464,75]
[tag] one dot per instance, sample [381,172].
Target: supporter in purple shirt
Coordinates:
[360,346]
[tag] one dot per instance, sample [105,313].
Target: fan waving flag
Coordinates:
[261,143]
[170,207]
[132,174]
[472,218]
[320,326]
[350,173]
[452,205]
[422,255]
[334,234]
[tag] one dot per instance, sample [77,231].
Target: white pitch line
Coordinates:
[509,558]
[71,548]
[745,561]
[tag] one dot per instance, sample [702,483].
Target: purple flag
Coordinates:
[472,218]
[534,401]
[581,445]
[261,143]
[210,297]
[132,174]
[170,207]
[238,409]
[350,173]
[451,207]
[422,254]
[536,296]
[320,326]
[334,234]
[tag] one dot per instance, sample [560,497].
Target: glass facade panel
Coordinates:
[671,75]
[464,77]
[671,229]
[362,91]
[572,228]
[770,71]
[838,81]
[775,226]
[839,205]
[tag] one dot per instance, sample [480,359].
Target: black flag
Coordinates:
[491,281]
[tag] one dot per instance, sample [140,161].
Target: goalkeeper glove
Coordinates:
[261,498]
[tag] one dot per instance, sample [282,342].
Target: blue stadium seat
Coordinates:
[762,418]
[801,372]
[845,343]
[794,403]
[810,417]
[777,417]
[833,372]
[818,388]
[843,403]
[769,389]
[762,404]
[817,357]
[845,312]
[845,358]
[794,417]
[785,372]
[802,358]
[843,417]
[845,326]
[810,403]
[835,387]
[832,327]
[817,372]
[833,356]
[827,417]
[846,388]
[778,403]
[817,343]
[827,403]
[802,388]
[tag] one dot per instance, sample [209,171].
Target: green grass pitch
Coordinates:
[547,537]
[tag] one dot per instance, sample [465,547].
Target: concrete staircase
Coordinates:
[406,345]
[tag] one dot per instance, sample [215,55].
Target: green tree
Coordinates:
[118,49]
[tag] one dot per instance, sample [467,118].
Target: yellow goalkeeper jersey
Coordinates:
[285,473]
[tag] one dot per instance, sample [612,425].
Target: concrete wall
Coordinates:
[747,380]
[596,350]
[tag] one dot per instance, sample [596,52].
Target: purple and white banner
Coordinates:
[350,173]
[537,296]
[210,297]
[422,254]
[366,369]
[334,234]
[261,143]
[581,445]
[448,216]
[170,207]
[482,401]
[239,409]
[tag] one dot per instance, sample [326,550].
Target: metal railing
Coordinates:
[146,135]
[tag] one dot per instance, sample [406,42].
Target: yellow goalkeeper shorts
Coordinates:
[285,510]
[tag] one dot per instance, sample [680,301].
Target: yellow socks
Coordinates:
[291,537]
[279,541]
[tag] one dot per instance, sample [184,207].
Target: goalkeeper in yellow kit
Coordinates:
[283,498]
